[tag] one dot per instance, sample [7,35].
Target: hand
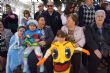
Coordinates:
[98,53]
[26,19]
[37,40]
[12,16]
[42,37]
[42,43]
[41,62]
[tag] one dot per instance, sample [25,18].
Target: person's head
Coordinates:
[104,6]
[102,1]
[89,2]
[1,26]
[100,17]
[72,19]
[41,6]
[69,8]
[61,36]
[21,30]
[108,8]
[32,24]
[50,6]
[41,21]
[59,7]
[26,13]
[8,8]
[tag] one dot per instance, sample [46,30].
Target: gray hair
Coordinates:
[100,11]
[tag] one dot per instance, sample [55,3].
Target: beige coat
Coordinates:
[78,35]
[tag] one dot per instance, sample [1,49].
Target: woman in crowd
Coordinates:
[70,8]
[47,32]
[76,35]
[98,42]
[26,17]
[5,35]
[10,19]
[15,52]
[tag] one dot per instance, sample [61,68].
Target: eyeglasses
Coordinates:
[49,5]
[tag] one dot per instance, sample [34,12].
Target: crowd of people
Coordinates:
[23,45]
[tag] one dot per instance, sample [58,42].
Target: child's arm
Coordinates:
[83,50]
[48,53]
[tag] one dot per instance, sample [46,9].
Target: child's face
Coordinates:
[32,27]
[61,39]
[21,31]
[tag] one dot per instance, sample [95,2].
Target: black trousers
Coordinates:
[76,62]
[49,65]
[93,63]
[108,66]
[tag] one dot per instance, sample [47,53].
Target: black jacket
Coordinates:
[10,23]
[53,20]
[92,36]
[37,14]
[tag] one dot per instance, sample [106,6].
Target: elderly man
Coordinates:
[98,42]
[52,18]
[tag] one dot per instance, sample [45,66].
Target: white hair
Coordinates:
[100,11]
[40,3]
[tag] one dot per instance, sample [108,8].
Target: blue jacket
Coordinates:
[31,33]
[15,54]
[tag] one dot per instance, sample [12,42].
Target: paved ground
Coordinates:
[84,70]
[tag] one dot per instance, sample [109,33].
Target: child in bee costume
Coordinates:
[62,52]
[33,40]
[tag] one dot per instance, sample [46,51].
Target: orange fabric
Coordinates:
[86,51]
[41,61]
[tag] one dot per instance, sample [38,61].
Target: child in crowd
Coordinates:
[62,52]
[15,52]
[33,40]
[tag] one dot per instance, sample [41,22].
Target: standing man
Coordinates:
[41,10]
[86,13]
[86,17]
[52,18]
[10,20]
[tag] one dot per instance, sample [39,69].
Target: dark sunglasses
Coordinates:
[49,5]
